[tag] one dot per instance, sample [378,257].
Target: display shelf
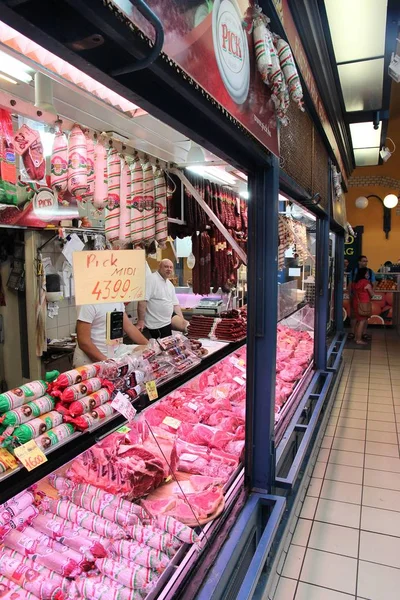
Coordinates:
[17,480]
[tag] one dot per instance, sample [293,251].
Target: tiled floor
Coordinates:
[347,541]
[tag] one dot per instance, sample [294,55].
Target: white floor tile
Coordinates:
[334,538]
[286,589]
[377,582]
[381,498]
[330,570]
[344,492]
[380,521]
[378,548]
[293,562]
[344,473]
[314,592]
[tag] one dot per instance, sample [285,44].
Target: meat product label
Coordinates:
[171,422]
[122,405]
[188,457]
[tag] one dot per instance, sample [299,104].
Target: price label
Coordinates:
[241,362]
[109,276]
[239,380]
[193,406]
[151,390]
[188,457]
[30,455]
[171,422]
[7,459]
[122,404]
[124,429]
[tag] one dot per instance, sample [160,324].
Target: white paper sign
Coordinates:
[122,404]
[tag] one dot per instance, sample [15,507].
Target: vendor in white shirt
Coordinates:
[160,312]
[91,330]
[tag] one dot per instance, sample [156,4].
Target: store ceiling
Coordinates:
[363,35]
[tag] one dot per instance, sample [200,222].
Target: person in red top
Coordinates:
[362,292]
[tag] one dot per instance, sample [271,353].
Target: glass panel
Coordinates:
[357,27]
[366,157]
[362,84]
[331,284]
[363,135]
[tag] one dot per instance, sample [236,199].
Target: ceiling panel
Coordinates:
[366,157]
[357,28]
[362,84]
[363,135]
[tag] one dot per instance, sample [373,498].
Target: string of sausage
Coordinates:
[114,182]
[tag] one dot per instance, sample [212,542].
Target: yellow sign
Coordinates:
[109,276]
[151,390]
[7,459]
[30,455]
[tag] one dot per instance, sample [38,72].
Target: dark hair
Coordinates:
[388,263]
[361,257]
[361,274]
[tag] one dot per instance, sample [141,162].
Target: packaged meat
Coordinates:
[45,540]
[77,163]
[88,420]
[29,579]
[27,411]
[125,203]
[35,427]
[101,176]
[149,220]
[78,375]
[131,576]
[19,396]
[22,518]
[78,391]
[89,167]
[154,538]
[59,163]
[113,200]
[8,169]
[103,588]
[177,529]
[15,506]
[90,402]
[55,435]
[103,509]
[141,554]
[137,211]
[161,216]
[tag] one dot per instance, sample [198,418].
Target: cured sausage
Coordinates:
[90,167]
[160,198]
[113,200]
[100,176]
[149,220]
[59,163]
[77,163]
[125,211]
[136,223]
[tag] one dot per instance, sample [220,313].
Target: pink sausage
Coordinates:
[113,201]
[149,220]
[136,223]
[160,199]
[90,167]
[100,176]
[77,163]
[59,163]
[125,211]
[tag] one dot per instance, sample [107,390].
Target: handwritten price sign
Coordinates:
[109,276]
[30,455]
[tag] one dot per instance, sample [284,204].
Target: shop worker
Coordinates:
[91,330]
[362,264]
[160,312]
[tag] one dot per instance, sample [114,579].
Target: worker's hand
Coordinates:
[140,325]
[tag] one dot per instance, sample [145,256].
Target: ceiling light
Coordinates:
[390,201]
[195,154]
[15,68]
[9,79]
[363,135]
[244,194]
[44,93]
[366,157]
[362,202]
[215,173]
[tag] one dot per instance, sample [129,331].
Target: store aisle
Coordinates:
[347,541]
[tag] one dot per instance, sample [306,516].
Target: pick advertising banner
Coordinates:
[207,39]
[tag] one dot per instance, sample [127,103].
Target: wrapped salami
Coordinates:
[89,167]
[66,532]
[161,216]
[38,426]
[27,411]
[135,577]
[25,516]
[136,223]
[149,219]
[19,396]
[80,390]
[75,376]
[55,435]
[77,163]
[113,200]
[97,588]
[59,163]
[11,591]
[62,564]
[177,529]
[88,420]
[100,176]
[290,73]
[155,539]
[141,555]
[44,540]
[15,506]
[103,509]
[125,203]
[84,518]
[85,405]
[30,579]
[8,169]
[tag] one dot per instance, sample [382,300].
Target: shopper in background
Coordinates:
[362,264]
[362,309]
[160,312]
[346,265]
[91,331]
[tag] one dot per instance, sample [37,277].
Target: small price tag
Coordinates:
[239,380]
[168,479]
[193,406]
[122,404]
[123,429]
[182,486]
[171,422]
[151,390]
[188,457]
[30,455]
[7,459]
[241,362]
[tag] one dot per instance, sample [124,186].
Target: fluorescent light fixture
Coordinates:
[9,79]
[366,157]
[363,135]
[358,28]
[215,173]
[390,201]
[195,154]
[47,140]
[15,68]
[244,194]
[362,84]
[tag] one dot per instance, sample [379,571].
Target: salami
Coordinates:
[160,199]
[90,167]
[113,200]
[100,176]
[59,163]
[149,221]
[125,210]
[77,163]
[136,223]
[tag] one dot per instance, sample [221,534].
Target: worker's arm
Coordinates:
[141,311]
[84,338]
[178,311]
[133,332]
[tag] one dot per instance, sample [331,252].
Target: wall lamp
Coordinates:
[390,201]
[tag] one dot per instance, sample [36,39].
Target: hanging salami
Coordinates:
[77,163]
[160,199]
[100,176]
[113,201]
[59,163]
[149,221]
[290,73]
[136,223]
[125,211]
[90,167]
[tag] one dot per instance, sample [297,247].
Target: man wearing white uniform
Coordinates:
[160,312]
[91,330]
